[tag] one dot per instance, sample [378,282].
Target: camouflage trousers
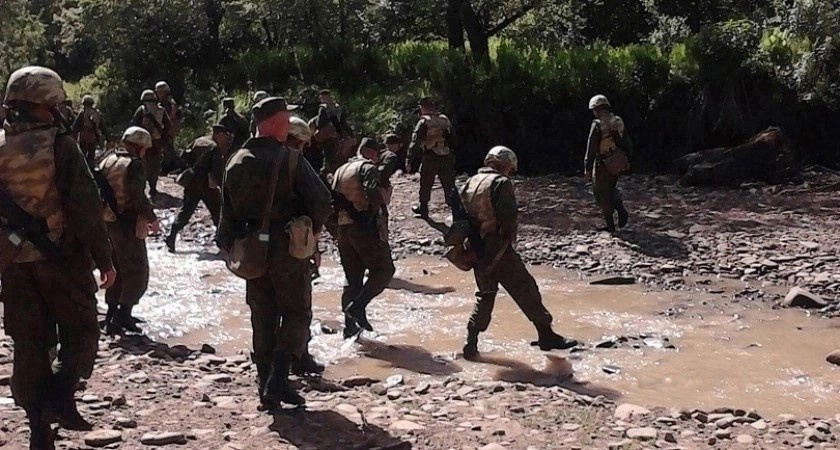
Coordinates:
[434,166]
[605,189]
[513,275]
[132,264]
[151,164]
[45,306]
[361,252]
[212,200]
[281,308]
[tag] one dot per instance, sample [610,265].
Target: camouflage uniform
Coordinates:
[124,173]
[169,160]
[431,143]
[362,238]
[208,165]
[331,127]
[50,302]
[89,131]
[490,201]
[605,135]
[281,301]
[154,119]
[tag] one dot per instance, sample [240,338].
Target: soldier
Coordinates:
[331,130]
[48,289]
[395,146]
[207,157]
[606,135]
[258,97]
[362,235]
[283,295]
[88,129]
[170,159]
[431,148]
[235,122]
[68,114]
[490,203]
[130,217]
[153,118]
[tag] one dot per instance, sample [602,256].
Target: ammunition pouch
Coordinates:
[302,242]
[463,257]
[616,162]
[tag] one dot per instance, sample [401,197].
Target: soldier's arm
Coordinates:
[370,183]
[314,193]
[414,149]
[77,125]
[504,203]
[137,120]
[226,232]
[387,166]
[592,146]
[323,117]
[135,185]
[81,201]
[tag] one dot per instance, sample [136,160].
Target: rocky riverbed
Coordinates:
[732,250]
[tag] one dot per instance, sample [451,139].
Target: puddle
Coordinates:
[772,361]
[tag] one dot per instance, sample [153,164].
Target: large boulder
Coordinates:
[770,157]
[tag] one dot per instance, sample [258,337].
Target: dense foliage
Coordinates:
[685,75]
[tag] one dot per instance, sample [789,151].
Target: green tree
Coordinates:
[23,37]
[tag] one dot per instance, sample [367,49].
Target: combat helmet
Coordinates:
[35,84]
[137,136]
[300,130]
[148,96]
[260,96]
[162,86]
[598,100]
[503,155]
[88,100]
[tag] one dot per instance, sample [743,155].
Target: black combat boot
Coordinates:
[61,405]
[356,310]
[610,224]
[42,435]
[306,365]
[170,241]
[549,340]
[623,216]
[351,328]
[109,318]
[471,347]
[125,320]
[421,210]
[277,389]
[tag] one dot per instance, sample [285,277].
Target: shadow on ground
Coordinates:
[409,357]
[330,430]
[405,285]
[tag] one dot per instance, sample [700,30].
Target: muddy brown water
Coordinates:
[768,360]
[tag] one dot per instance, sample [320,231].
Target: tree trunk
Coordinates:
[454,24]
[215,13]
[476,33]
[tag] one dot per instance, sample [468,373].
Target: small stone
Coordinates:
[124,422]
[394,394]
[208,349]
[394,381]
[5,379]
[642,434]
[422,388]
[90,398]
[571,427]
[166,438]
[138,377]
[759,425]
[627,411]
[102,438]
[465,391]
[789,419]
[379,389]
[834,357]
[358,381]
[745,439]
[406,426]
[800,298]
[626,443]
[685,434]
[218,378]
[669,437]
[723,434]
[493,446]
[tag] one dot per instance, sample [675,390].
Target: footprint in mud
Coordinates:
[409,357]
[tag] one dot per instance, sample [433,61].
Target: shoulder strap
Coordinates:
[275,174]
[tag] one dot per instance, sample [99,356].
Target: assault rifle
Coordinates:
[33,230]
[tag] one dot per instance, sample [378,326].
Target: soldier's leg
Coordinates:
[447,178]
[428,172]
[186,212]
[376,257]
[151,165]
[513,275]
[134,263]
[601,187]
[212,200]
[294,295]
[618,203]
[265,315]
[354,274]
[487,286]
[113,293]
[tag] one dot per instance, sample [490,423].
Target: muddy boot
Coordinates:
[623,217]
[42,435]
[277,389]
[549,340]
[356,310]
[61,406]
[471,347]
[124,319]
[420,210]
[610,224]
[262,377]
[351,329]
[306,365]
[109,317]
[170,241]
